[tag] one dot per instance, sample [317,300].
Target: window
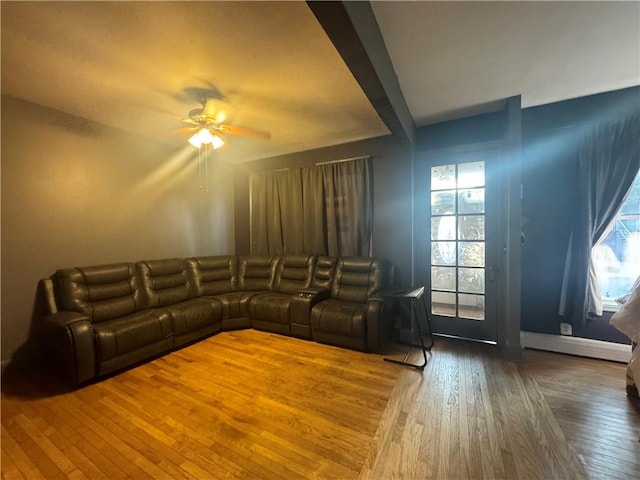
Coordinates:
[617,257]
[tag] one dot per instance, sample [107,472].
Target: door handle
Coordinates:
[491,273]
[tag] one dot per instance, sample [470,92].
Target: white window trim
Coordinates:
[610,305]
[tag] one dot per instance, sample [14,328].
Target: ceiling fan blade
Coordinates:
[190,121]
[243,131]
[185,130]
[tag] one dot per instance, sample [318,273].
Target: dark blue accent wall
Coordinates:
[550,140]
[551,135]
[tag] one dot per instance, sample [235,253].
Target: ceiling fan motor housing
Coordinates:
[196,112]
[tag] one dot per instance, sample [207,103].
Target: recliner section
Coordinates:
[351,316]
[109,317]
[272,310]
[105,321]
[217,277]
[167,285]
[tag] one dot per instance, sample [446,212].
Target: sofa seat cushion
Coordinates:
[194,314]
[270,307]
[235,304]
[339,317]
[126,334]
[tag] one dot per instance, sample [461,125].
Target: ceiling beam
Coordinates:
[354,31]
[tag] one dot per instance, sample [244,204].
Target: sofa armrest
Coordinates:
[46,284]
[375,319]
[68,338]
[303,301]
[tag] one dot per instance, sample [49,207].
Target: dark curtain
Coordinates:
[326,209]
[314,212]
[608,160]
[276,212]
[348,196]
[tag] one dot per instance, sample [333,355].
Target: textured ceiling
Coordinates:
[133,65]
[454,59]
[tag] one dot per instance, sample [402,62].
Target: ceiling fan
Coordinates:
[207,125]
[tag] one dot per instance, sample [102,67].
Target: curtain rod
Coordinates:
[344,160]
[271,171]
[320,163]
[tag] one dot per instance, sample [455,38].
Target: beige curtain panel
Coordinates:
[327,209]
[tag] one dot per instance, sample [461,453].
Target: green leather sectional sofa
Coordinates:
[109,317]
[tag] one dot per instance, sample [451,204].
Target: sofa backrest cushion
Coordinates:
[323,273]
[358,278]
[164,282]
[101,292]
[294,272]
[256,272]
[213,275]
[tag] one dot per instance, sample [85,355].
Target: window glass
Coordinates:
[617,257]
[457,240]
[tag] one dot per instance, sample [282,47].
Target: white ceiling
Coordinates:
[127,65]
[454,58]
[134,65]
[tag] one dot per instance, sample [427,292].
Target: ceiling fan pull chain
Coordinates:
[200,165]
[206,169]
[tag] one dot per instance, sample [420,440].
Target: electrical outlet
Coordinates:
[565,329]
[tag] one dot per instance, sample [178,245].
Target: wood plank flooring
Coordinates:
[243,404]
[470,415]
[250,404]
[589,401]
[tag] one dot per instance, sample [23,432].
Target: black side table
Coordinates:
[414,295]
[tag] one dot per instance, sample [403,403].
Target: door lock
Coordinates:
[491,273]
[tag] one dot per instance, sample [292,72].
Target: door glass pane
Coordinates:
[443,177]
[471,280]
[471,254]
[457,241]
[443,203]
[443,228]
[471,175]
[471,201]
[443,253]
[471,227]
[471,306]
[443,303]
[443,278]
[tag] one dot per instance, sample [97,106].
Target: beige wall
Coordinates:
[77,193]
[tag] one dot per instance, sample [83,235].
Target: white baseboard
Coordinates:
[584,347]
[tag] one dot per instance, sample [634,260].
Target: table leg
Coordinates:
[414,317]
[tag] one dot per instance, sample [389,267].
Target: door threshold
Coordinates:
[456,337]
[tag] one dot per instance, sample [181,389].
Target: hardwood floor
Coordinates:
[589,401]
[243,404]
[471,415]
[249,404]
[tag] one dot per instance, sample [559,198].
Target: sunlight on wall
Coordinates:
[169,172]
[75,193]
[220,228]
[201,221]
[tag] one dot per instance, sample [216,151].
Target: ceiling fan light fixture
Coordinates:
[216,141]
[204,136]
[195,140]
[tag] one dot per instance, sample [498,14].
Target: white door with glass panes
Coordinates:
[459,242]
